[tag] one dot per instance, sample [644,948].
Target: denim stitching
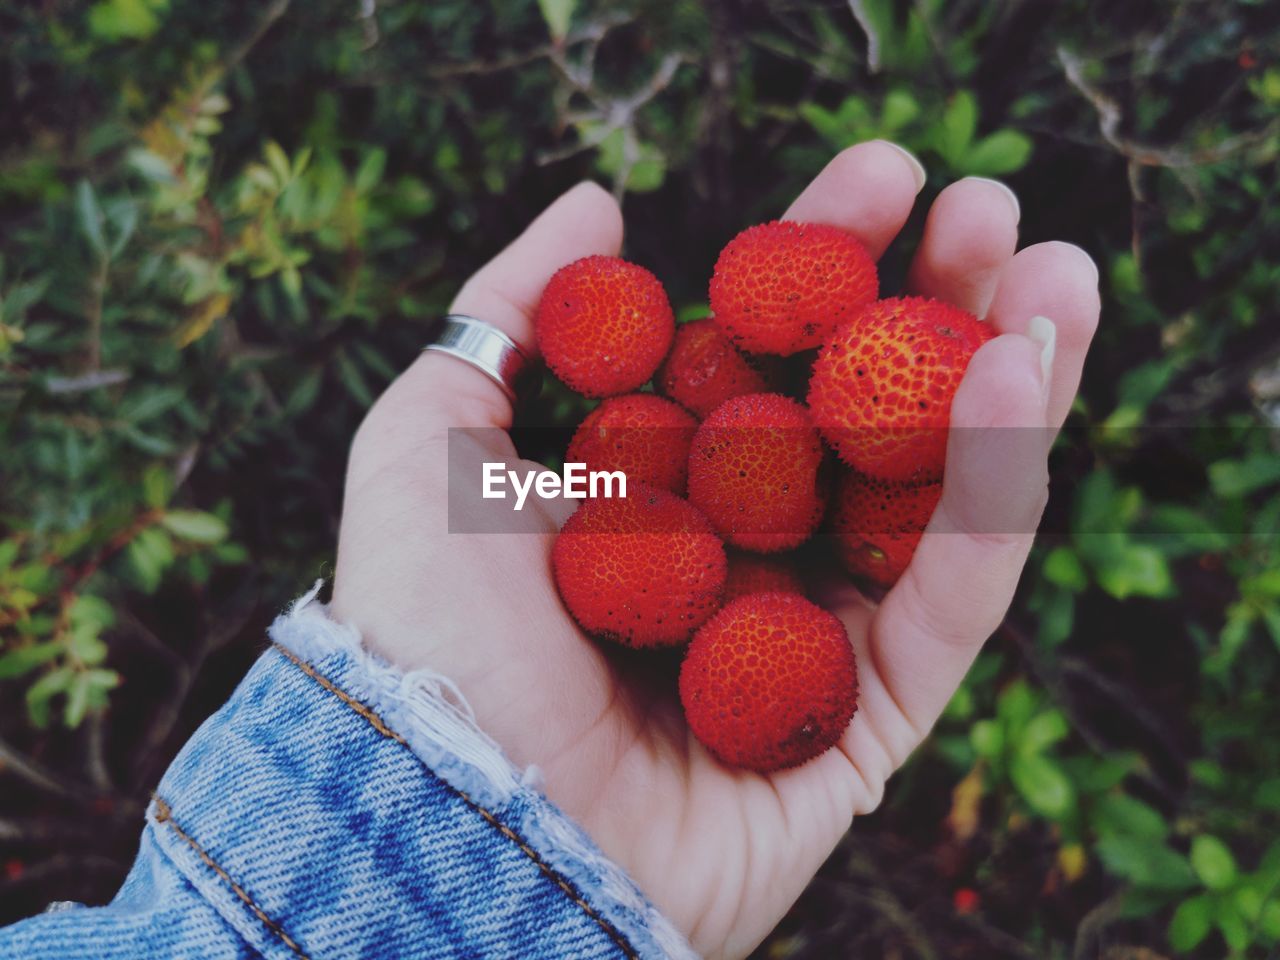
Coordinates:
[165,815]
[380,726]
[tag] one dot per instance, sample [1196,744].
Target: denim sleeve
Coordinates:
[336,808]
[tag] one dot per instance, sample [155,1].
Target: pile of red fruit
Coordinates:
[726,472]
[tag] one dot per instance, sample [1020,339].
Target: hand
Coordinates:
[723,853]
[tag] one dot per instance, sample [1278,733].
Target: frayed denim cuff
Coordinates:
[337,807]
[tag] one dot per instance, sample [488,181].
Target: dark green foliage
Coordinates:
[223,225]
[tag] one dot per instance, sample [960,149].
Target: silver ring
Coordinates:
[490,351]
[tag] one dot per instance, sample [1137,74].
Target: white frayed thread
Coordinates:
[438,724]
[427,709]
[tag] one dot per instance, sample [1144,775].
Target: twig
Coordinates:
[270,15]
[859,10]
[369,23]
[612,115]
[93,380]
[39,776]
[1089,933]
[1110,118]
[95,751]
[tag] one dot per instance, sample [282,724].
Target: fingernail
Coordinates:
[1008,192]
[1044,332]
[917,168]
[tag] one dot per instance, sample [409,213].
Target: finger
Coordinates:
[868,190]
[505,292]
[970,234]
[1058,281]
[963,575]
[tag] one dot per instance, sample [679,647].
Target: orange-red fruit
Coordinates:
[644,436]
[604,325]
[704,369]
[645,570]
[769,682]
[751,573]
[756,471]
[782,287]
[882,386]
[878,523]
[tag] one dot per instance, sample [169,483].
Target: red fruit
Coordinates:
[644,436]
[769,682]
[604,325]
[878,524]
[882,386]
[756,471]
[704,369]
[966,900]
[782,287]
[750,573]
[645,570]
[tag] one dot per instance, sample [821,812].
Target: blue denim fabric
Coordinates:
[335,808]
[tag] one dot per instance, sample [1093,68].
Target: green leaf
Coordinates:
[279,163]
[897,111]
[1191,923]
[43,690]
[1063,567]
[648,168]
[15,663]
[1043,730]
[987,738]
[157,486]
[353,379]
[955,131]
[1002,152]
[1119,813]
[1015,707]
[1237,478]
[1043,785]
[1213,862]
[1267,796]
[369,173]
[125,19]
[149,556]
[557,14]
[1057,618]
[89,215]
[1137,570]
[1232,925]
[1144,863]
[195,525]
[88,610]
[73,710]
[1269,920]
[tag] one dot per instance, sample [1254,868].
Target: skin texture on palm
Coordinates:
[722,852]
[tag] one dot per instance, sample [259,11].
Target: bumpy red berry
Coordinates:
[878,524]
[644,436]
[751,573]
[882,386]
[604,325]
[645,570]
[782,287]
[704,369]
[769,682]
[756,469]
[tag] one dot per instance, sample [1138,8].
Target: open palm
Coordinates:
[722,852]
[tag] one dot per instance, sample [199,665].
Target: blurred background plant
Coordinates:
[223,225]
